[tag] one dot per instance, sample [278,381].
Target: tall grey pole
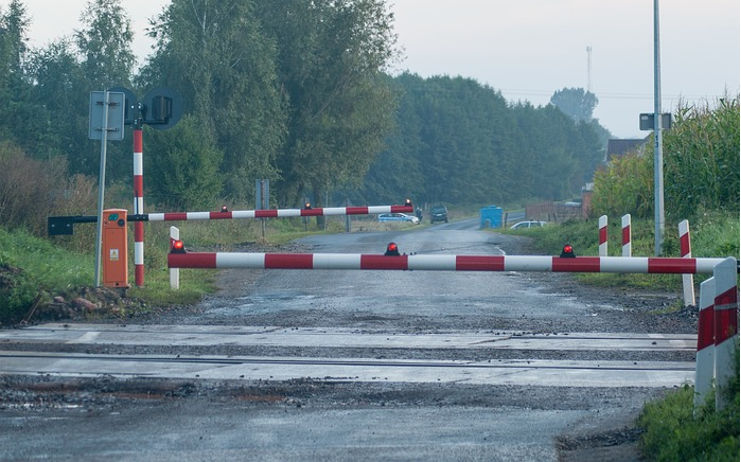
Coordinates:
[101,188]
[658,155]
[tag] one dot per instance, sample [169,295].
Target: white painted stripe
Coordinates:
[138,205]
[156,216]
[334,211]
[138,253]
[431,262]
[684,227]
[240,260]
[243,214]
[624,265]
[198,215]
[706,265]
[379,209]
[138,169]
[288,213]
[336,261]
[528,263]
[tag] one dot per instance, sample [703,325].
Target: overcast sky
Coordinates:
[527,49]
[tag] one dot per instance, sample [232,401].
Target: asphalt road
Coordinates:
[338,365]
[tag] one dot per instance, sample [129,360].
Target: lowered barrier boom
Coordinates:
[341,261]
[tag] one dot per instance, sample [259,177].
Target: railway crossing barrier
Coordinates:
[64,225]
[717,338]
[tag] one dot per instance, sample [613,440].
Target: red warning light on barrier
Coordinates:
[177,247]
[392,250]
[408,202]
[224,209]
[568,252]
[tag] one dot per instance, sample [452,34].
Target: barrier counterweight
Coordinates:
[442,262]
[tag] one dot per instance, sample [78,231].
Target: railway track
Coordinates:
[18,356]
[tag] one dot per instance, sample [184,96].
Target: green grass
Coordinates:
[673,430]
[31,267]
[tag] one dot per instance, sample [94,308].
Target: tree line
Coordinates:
[298,92]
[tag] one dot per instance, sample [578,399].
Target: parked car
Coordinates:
[398,217]
[438,213]
[528,224]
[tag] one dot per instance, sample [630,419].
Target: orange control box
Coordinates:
[115,249]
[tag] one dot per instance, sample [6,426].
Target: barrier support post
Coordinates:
[603,236]
[627,245]
[705,358]
[174,272]
[726,327]
[688,281]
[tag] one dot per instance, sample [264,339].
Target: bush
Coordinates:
[32,190]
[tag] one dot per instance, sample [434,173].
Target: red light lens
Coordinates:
[392,246]
[568,249]
[177,245]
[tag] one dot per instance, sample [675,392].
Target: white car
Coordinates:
[398,217]
[528,224]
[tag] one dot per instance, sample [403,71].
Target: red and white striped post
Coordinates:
[138,209]
[688,281]
[627,245]
[705,359]
[603,236]
[726,326]
[174,272]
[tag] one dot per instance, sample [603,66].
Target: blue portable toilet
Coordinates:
[491,217]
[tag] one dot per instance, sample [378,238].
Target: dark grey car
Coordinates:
[438,213]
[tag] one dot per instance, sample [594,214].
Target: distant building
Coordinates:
[619,147]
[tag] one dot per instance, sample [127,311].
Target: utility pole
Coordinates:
[658,155]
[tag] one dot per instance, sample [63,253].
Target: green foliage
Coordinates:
[673,430]
[331,55]
[701,157]
[215,55]
[184,165]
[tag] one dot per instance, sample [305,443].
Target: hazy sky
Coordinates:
[527,49]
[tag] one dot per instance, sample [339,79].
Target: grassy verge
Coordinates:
[673,430]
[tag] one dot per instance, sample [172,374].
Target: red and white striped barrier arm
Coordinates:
[705,364]
[441,262]
[280,213]
[603,236]
[688,282]
[726,324]
[138,209]
[627,245]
